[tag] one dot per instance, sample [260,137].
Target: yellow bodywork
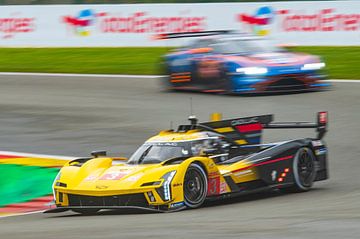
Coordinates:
[105,176]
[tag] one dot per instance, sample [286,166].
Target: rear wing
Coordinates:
[248,131]
[241,131]
[320,125]
[190,34]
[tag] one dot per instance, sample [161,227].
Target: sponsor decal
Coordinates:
[134,178]
[101,187]
[123,169]
[85,21]
[320,151]
[273,175]
[90,178]
[317,143]
[258,22]
[178,204]
[142,22]
[177,184]
[82,23]
[322,117]
[223,188]
[113,176]
[211,165]
[324,20]
[245,121]
[14,24]
[184,151]
[161,143]
[290,20]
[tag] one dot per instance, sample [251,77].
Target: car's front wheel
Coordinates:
[195,186]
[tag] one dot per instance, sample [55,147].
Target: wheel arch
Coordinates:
[202,165]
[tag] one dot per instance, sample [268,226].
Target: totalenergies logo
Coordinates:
[83,22]
[260,21]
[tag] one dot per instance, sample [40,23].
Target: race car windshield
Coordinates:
[157,153]
[241,46]
[150,153]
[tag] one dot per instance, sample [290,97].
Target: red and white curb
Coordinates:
[34,206]
[9,154]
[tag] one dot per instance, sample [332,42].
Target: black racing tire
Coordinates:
[227,86]
[86,211]
[226,83]
[304,170]
[195,186]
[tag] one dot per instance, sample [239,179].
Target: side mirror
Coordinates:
[201,50]
[99,153]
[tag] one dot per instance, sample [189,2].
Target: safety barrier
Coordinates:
[98,25]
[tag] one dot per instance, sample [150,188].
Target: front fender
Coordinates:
[216,182]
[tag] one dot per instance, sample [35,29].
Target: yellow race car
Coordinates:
[182,168]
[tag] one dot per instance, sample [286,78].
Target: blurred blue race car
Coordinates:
[230,62]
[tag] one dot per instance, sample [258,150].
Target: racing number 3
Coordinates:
[214,186]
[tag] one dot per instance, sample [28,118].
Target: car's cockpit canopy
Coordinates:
[152,152]
[236,44]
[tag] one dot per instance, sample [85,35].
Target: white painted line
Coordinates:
[119,76]
[79,75]
[21,214]
[344,81]
[36,155]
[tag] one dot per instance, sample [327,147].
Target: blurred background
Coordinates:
[11,2]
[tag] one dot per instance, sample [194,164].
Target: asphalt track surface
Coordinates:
[73,115]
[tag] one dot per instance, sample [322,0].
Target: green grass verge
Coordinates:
[341,62]
[23,183]
[82,60]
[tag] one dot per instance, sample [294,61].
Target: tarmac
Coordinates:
[73,116]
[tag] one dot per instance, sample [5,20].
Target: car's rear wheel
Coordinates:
[195,186]
[225,84]
[304,169]
[86,211]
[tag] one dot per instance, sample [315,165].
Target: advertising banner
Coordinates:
[300,23]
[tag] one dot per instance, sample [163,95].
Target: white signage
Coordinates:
[301,23]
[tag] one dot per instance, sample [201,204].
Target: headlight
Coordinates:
[165,190]
[313,66]
[56,179]
[252,70]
